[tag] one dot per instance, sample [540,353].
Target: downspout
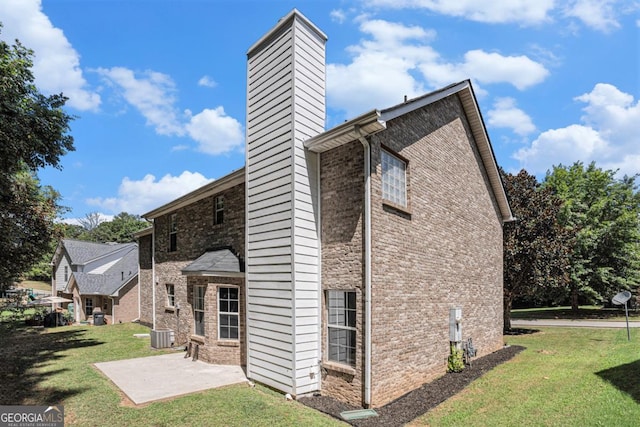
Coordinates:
[153,274]
[367,266]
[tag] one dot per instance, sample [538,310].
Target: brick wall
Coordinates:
[126,306]
[197,234]
[145,278]
[443,251]
[342,190]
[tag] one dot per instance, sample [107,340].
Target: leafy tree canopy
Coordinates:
[33,134]
[535,245]
[603,213]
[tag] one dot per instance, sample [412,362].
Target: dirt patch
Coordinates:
[421,400]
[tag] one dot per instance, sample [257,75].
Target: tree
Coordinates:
[33,134]
[27,214]
[120,229]
[603,213]
[90,221]
[535,245]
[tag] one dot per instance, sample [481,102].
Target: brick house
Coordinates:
[97,277]
[331,262]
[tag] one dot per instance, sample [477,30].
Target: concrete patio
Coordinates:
[147,379]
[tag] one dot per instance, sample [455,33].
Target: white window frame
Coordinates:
[171,294]
[224,332]
[394,178]
[88,306]
[218,209]
[341,321]
[199,309]
[66,273]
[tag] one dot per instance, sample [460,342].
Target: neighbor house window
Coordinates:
[342,326]
[198,309]
[88,306]
[218,210]
[171,295]
[66,273]
[394,179]
[228,313]
[173,233]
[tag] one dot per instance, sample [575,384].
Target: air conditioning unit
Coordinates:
[162,338]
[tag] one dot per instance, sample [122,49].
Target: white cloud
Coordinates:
[607,135]
[496,11]
[207,81]
[152,93]
[338,15]
[520,71]
[56,65]
[139,197]
[397,60]
[597,14]
[505,114]
[215,132]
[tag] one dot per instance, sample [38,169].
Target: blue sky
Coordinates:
[158,87]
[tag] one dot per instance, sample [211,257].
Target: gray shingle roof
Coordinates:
[112,279]
[220,261]
[82,252]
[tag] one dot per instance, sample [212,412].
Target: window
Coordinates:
[394,179]
[342,327]
[218,210]
[66,273]
[171,295]
[198,309]
[228,304]
[173,233]
[88,306]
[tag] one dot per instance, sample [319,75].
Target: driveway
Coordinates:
[573,323]
[147,379]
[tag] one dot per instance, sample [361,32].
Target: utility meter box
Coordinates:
[455,324]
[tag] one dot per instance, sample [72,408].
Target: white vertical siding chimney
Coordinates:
[285,106]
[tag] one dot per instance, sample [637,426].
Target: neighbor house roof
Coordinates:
[375,121]
[109,278]
[82,252]
[221,262]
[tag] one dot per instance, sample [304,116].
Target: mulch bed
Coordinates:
[421,400]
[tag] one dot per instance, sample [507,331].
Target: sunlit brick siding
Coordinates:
[197,234]
[342,190]
[444,250]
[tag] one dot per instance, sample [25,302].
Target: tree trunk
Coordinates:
[574,299]
[506,318]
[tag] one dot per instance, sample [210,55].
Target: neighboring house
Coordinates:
[98,277]
[332,261]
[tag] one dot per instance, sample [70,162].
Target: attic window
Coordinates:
[394,179]
[173,233]
[218,210]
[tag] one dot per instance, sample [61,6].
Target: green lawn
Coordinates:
[56,366]
[565,377]
[35,285]
[584,312]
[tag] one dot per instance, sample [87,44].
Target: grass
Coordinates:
[35,285]
[55,366]
[565,377]
[584,312]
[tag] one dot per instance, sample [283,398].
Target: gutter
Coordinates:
[367,265]
[153,275]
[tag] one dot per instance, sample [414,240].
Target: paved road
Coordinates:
[573,323]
